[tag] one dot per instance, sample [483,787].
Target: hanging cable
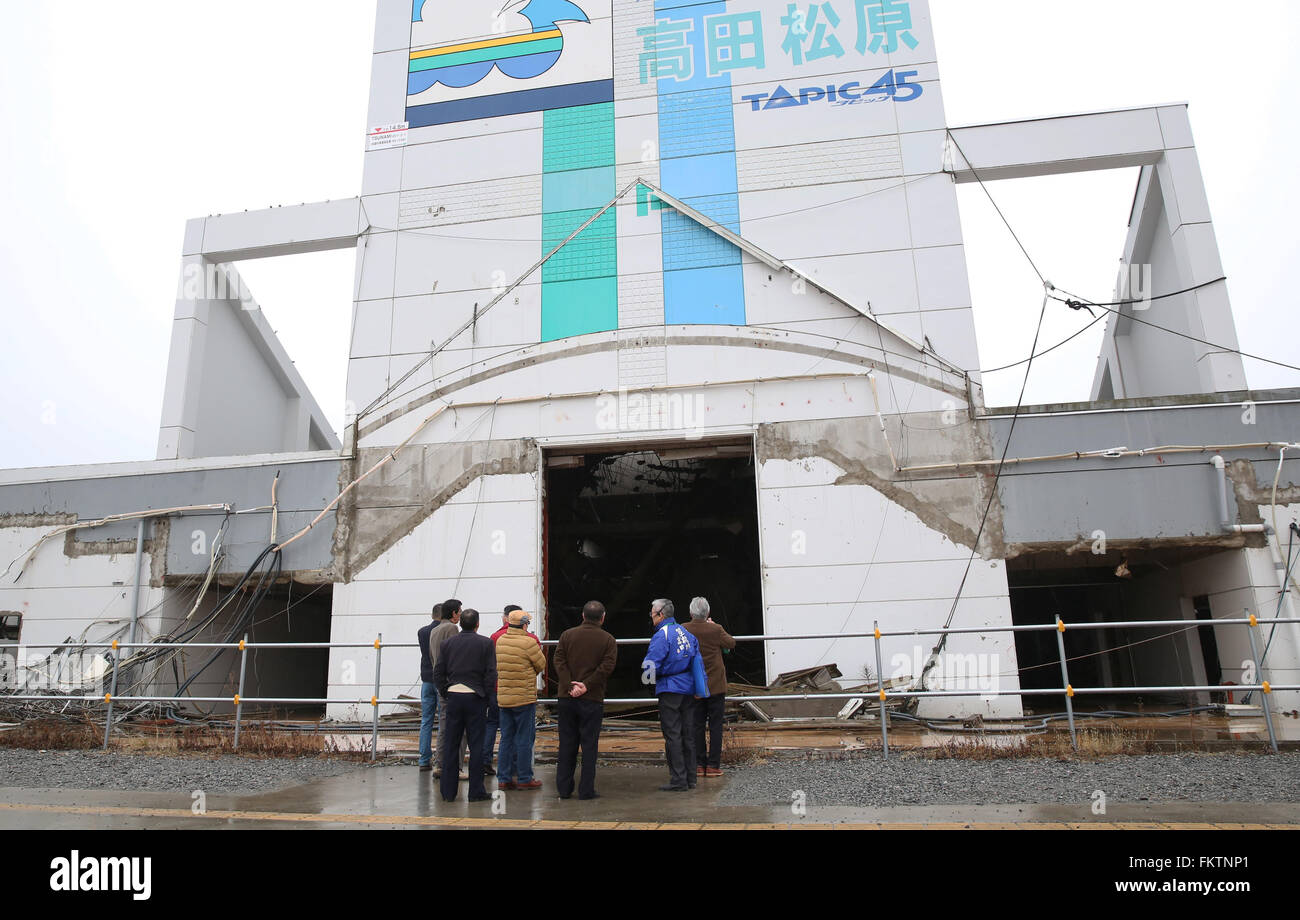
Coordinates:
[1074,302]
[1041,277]
[933,660]
[1007,367]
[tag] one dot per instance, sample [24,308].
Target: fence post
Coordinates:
[108,721]
[880,685]
[1259,671]
[239,697]
[1065,681]
[374,700]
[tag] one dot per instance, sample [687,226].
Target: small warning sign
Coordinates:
[386,136]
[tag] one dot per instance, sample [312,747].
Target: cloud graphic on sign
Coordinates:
[521,56]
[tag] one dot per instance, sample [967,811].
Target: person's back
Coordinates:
[712,639]
[439,636]
[428,692]
[466,676]
[586,653]
[422,638]
[710,710]
[470,660]
[519,661]
[584,660]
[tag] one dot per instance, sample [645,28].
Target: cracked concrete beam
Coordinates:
[405,493]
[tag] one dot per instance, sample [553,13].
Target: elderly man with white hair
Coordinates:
[712,639]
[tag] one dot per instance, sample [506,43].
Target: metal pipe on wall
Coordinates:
[135,594]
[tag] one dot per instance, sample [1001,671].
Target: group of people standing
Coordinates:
[477,685]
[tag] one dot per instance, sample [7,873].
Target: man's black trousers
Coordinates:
[709,710]
[677,720]
[579,727]
[466,716]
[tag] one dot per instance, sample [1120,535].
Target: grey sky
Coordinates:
[123,120]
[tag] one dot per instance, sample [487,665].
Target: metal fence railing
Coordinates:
[1250,622]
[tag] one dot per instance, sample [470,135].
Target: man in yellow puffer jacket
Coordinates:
[519,661]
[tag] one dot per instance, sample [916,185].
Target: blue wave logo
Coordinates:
[521,57]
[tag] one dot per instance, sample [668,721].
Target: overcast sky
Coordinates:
[123,120]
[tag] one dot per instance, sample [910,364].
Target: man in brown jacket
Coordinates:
[584,660]
[519,661]
[713,639]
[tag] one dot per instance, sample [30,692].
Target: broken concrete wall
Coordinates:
[1169,500]
[445,520]
[74,597]
[80,583]
[848,543]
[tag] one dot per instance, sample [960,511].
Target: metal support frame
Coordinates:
[880,683]
[374,700]
[239,696]
[1065,681]
[1264,685]
[108,719]
[1250,621]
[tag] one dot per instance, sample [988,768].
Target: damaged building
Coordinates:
[647,306]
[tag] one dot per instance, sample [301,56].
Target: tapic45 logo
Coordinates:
[893,85]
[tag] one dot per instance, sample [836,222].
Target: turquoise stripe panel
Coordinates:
[580,282]
[578,189]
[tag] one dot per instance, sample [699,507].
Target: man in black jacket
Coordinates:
[428,692]
[466,676]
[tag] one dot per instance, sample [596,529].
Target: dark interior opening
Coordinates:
[626,528]
[1110,588]
[288,613]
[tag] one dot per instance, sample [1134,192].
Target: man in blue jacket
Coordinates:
[668,665]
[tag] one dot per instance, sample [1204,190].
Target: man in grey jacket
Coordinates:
[437,638]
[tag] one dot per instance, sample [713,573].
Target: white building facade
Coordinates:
[670,299]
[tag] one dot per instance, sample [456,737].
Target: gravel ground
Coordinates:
[95,770]
[907,779]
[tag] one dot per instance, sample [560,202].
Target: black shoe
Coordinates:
[480,798]
[566,797]
[426,768]
[452,799]
[587,798]
[671,788]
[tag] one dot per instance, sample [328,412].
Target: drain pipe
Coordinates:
[1274,547]
[1225,517]
[884,432]
[135,594]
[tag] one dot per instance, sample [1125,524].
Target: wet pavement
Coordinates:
[402,797]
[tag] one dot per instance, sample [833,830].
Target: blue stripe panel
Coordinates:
[688,245]
[524,100]
[693,179]
[697,163]
[696,121]
[704,295]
